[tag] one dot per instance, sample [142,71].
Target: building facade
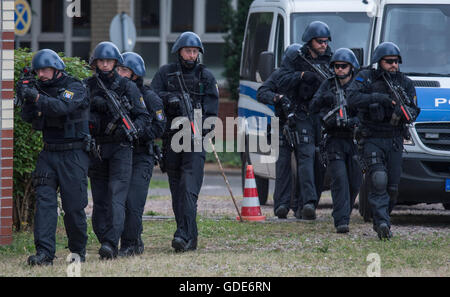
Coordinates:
[158,24]
[7,121]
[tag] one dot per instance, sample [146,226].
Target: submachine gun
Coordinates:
[323,73]
[401,100]
[289,128]
[339,112]
[187,109]
[119,113]
[27,77]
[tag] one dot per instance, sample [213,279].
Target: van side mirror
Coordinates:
[359,53]
[266,64]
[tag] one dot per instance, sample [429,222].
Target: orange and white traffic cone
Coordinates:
[251,210]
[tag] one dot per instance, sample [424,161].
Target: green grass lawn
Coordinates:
[229,248]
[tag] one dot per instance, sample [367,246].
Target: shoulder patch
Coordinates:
[160,115]
[359,78]
[142,102]
[68,95]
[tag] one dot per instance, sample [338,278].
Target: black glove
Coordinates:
[310,77]
[381,98]
[174,104]
[99,104]
[328,98]
[29,93]
[120,134]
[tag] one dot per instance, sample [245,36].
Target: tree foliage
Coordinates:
[234,22]
[28,142]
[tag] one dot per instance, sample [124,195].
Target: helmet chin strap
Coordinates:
[187,64]
[104,74]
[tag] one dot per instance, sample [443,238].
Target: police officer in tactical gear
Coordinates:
[133,68]
[185,169]
[383,127]
[339,122]
[111,174]
[270,92]
[58,104]
[301,81]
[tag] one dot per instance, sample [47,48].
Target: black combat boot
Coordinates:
[384,231]
[281,212]
[107,251]
[342,229]
[309,212]
[39,259]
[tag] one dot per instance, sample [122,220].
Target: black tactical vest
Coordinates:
[67,128]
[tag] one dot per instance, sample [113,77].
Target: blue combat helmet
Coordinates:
[47,58]
[385,49]
[316,29]
[134,62]
[187,39]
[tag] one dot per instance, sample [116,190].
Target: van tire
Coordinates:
[446,206]
[364,206]
[262,184]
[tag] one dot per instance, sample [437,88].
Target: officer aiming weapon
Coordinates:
[322,73]
[400,99]
[119,113]
[339,112]
[27,79]
[186,108]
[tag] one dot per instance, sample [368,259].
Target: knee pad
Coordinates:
[379,181]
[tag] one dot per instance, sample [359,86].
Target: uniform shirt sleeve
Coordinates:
[316,103]
[74,96]
[268,90]
[211,99]
[358,92]
[156,109]
[139,113]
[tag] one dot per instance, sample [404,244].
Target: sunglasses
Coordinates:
[322,41]
[391,61]
[340,66]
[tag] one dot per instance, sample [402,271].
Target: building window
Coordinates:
[56,46]
[146,17]
[52,16]
[213,59]
[214,19]
[82,25]
[81,49]
[150,53]
[182,15]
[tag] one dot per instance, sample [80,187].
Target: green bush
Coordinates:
[234,23]
[28,142]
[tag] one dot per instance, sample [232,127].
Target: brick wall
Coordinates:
[7,121]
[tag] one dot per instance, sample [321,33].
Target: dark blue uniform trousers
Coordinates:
[137,195]
[383,155]
[185,171]
[110,180]
[346,177]
[68,170]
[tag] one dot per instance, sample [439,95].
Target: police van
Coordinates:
[419,28]
[271,27]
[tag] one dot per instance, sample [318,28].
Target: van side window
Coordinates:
[256,41]
[279,41]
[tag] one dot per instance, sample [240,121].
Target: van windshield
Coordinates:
[348,29]
[421,33]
